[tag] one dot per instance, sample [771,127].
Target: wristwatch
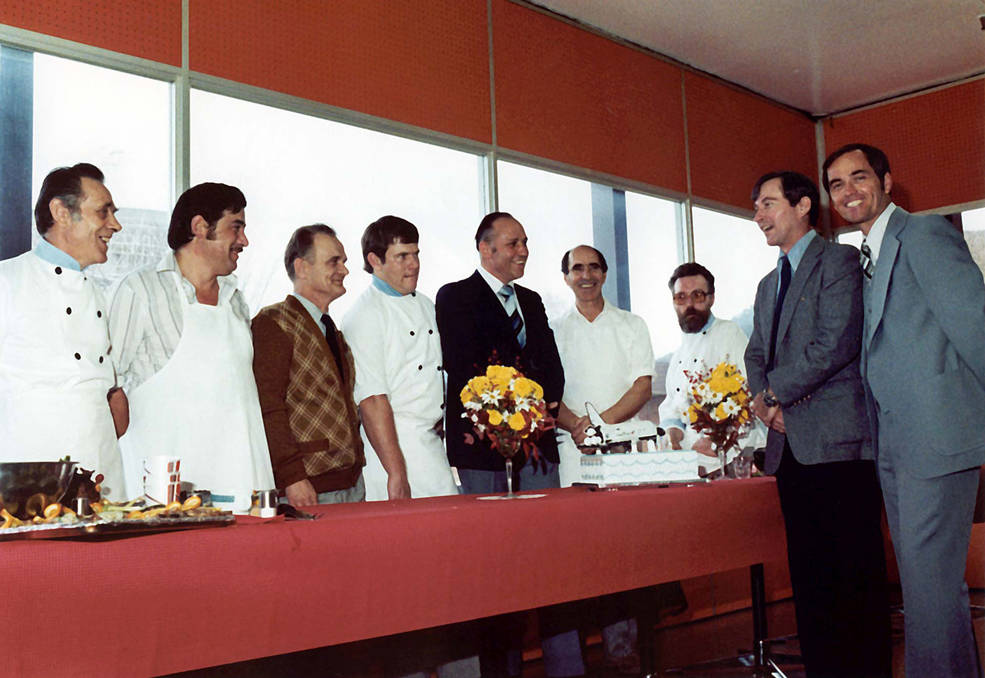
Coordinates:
[769,399]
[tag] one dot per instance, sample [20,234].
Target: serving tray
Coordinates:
[108,529]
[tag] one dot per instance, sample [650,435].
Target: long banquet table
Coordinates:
[170,602]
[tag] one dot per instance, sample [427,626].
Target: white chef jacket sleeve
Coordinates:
[640,350]
[364,332]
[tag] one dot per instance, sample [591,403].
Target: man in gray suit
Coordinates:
[802,361]
[923,361]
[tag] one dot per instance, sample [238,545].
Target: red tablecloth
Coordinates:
[177,601]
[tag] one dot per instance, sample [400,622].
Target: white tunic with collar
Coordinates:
[55,369]
[397,351]
[719,341]
[601,361]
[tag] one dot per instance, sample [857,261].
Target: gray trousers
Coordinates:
[930,521]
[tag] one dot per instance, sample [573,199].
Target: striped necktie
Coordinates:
[865,259]
[516,322]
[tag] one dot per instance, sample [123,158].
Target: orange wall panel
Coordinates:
[735,137]
[935,143]
[425,64]
[150,29]
[569,95]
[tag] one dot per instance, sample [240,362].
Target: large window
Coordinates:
[653,235]
[296,170]
[736,253]
[122,124]
[556,213]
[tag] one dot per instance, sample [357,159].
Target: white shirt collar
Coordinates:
[495,284]
[878,230]
[227,283]
[604,313]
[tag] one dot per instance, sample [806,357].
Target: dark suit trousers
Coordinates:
[833,515]
[502,642]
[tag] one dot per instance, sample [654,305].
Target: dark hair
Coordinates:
[64,183]
[299,246]
[384,232]
[564,259]
[795,186]
[484,232]
[692,268]
[209,201]
[875,157]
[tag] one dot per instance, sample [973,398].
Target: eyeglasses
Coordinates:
[697,296]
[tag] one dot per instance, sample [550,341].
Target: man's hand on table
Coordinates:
[301,493]
[397,486]
[676,435]
[703,446]
[578,432]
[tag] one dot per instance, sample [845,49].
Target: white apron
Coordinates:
[428,472]
[203,408]
[74,422]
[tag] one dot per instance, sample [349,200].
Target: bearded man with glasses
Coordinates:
[705,342]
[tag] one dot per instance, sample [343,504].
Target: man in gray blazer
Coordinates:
[802,361]
[923,361]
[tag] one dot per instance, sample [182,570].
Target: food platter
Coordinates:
[95,529]
[643,485]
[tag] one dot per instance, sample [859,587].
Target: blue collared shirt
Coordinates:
[45,251]
[795,255]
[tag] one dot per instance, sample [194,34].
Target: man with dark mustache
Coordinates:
[183,349]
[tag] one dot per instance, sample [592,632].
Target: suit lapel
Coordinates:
[810,260]
[769,304]
[487,303]
[879,287]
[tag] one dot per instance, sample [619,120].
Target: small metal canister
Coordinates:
[264,503]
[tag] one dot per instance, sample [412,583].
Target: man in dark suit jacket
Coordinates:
[488,319]
[802,362]
[476,331]
[923,361]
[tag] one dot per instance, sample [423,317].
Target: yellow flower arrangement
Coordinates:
[719,405]
[506,408]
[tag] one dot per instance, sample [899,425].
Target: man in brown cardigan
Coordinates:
[305,373]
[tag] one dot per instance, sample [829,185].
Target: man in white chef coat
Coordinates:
[183,349]
[393,335]
[606,353]
[706,341]
[57,386]
[608,361]
[399,389]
